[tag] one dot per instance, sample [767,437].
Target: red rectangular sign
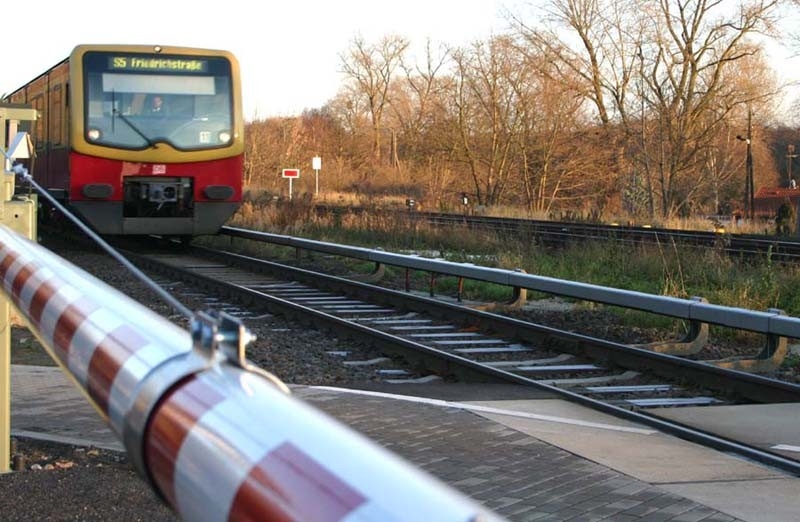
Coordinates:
[291,173]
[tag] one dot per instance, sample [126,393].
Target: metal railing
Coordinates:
[771,323]
[216,438]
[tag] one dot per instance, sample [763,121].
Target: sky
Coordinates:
[289,52]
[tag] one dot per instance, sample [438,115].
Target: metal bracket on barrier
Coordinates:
[768,359]
[373,277]
[217,338]
[694,340]
[517,301]
[777,346]
[218,332]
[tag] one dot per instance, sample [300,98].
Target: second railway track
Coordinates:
[419,339]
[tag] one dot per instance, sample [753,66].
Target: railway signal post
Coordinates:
[316,164]
[291,174]
[18,214]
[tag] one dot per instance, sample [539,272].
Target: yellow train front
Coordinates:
[141,140]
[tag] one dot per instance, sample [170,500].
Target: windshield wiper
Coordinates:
[136,129]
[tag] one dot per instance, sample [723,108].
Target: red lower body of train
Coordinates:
[175,199]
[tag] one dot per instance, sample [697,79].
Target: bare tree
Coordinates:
[603,64]
[489,115]
[372,68]
[593,48]
[694,45]
[416,100]
[349,109]
[419,121]
[659,71]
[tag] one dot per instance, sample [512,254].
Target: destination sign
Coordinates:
[149,63]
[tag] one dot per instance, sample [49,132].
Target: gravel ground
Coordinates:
[62,482]
[69,483]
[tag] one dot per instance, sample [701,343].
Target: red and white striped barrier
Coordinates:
[217,439]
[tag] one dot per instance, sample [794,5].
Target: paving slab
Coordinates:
[520,458]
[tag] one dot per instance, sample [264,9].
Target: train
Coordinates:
[140,140]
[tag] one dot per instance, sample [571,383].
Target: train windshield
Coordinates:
[135,101]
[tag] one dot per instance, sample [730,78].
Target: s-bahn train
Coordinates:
[140,140]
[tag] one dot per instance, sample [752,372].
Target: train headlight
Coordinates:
[224,137]
[94,134]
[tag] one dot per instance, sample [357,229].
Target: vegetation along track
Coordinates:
[421,339]
[561,233]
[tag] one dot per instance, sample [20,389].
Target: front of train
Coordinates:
[157,139]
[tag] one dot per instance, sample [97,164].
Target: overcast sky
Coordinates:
[289,51]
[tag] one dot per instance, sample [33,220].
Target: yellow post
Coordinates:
[18,213]
[5,386]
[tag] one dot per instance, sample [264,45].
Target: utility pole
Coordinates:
[790,155]
[749,186]
[751,183]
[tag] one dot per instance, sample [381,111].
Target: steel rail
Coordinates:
[746,385]
[770,323]
[562,232]
[448,363]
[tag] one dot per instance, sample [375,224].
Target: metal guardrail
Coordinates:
[216,438]
[771,323]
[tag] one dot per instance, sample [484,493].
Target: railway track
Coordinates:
[561,233]
[419,339]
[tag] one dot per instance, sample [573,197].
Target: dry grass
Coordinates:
[665,269]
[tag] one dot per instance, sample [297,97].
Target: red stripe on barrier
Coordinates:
[172,420]
[20,279]
[9,259]
[107,359]
[6,263]
[40,299]
[69,321]
[287,484]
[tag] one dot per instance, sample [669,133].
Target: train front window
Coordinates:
[136,101]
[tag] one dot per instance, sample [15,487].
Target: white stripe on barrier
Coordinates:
[129,377]
[40,277]
[223,475]
[57,304]
[86,339]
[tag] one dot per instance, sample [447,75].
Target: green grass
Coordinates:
[663,269]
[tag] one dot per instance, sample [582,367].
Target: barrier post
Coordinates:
[19,214]
[5,386]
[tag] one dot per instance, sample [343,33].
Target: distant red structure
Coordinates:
[768,199]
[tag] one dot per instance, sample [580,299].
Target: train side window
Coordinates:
[38,103]
[56,115]
[66,112]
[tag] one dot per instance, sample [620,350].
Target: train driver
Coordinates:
[157,107]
